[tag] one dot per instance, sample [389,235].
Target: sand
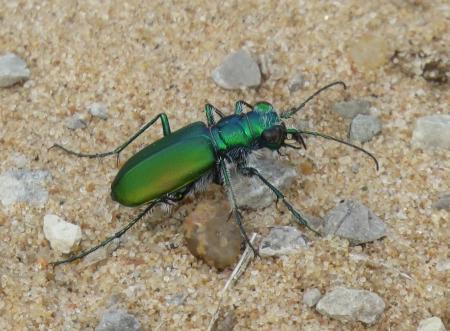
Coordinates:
[142,58]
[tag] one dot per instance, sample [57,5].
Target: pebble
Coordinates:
[210,237]
[237,71]
[98,110]
[364,128]
[118,319]
[432,131]
[355,222]
[62,235]
[297,83]
[226,321]
[350,109]
[431,324]
[347,304]
[443,202]
[443,265]
[282,240]
[370,52]
[311,297]
[251,192]
[23,186]
[12,70]
[75,122]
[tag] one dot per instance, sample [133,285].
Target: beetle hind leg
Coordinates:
[117,235]
[116,151]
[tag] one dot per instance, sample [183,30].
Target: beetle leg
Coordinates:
[210,110]
[166,132]
[234,207]
[117,235]
[249,171]
[239,107]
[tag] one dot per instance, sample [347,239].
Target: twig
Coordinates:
[237,272]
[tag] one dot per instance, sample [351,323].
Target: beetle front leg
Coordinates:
[232,198]
[209,111]
[250,171]
[166,132]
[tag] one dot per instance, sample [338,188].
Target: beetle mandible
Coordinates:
[167,170]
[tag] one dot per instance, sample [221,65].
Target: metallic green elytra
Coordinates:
[182,161]
[165,166]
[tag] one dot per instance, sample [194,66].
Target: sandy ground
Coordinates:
[141,58]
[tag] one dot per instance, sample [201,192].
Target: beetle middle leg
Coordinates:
[250,171]
[209,111]
[232,198]
[166,132]
[239,107]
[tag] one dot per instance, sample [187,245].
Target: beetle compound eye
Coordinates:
[273,135]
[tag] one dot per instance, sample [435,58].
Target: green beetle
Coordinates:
[182,161]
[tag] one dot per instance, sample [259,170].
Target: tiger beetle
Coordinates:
[183,161]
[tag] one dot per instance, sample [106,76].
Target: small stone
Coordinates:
[283,240]
[436,71]
[355,222]
[237,71]
[254,194]
[12,70]
[443,202]
[98,110]
[118,319]
[347,304]
[370,52]
[297,83]
[432,131]
[75,122]
[431,324]
[61,234]
[349,109]
[311,297]
[364,128]
[226,321]
[443,265]
[23,186]
[176,299]
[210,236]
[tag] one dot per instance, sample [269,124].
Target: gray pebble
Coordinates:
[432,131]
[297,82]
[443,202]
[355,222]
[349,109]
[98,110]
[443,265]
[12,70]
[283,240]
[347,304]
[251,192]
[364,128]
[118,319]
[23,186]
[431,324]
[75,122]
[237,71]
[311,297]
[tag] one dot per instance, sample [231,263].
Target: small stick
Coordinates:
[237,272]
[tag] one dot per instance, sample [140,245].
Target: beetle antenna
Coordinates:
[292,111]
[295,133]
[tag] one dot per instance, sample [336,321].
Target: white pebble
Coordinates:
[431,324]
[98,110]
[62,235]
[12,70]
